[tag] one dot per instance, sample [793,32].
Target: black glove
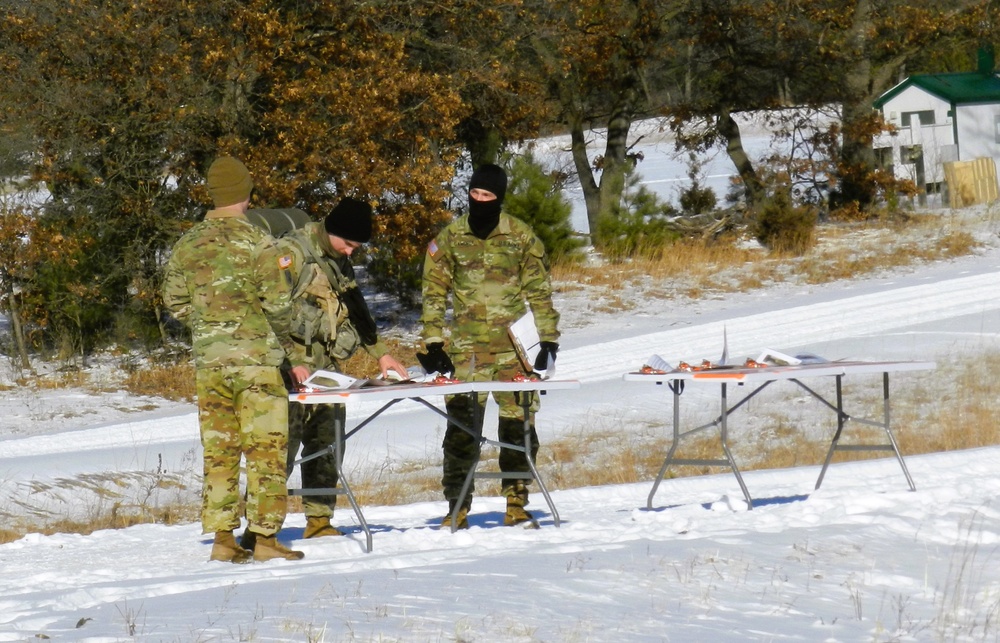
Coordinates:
[435,360]
[545,355]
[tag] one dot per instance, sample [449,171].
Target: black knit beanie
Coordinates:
[351,220]
[492,178]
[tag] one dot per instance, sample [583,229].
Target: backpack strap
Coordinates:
[347,291]
[330,269]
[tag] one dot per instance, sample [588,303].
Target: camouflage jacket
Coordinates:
[327,308]
[228,281]
[491,282]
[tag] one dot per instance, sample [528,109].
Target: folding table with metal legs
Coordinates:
[763,377]
[392,394]
[527,386]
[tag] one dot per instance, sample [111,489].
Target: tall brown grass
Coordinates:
[170,381]
[693,268]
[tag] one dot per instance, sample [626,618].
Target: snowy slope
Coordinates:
[863,558]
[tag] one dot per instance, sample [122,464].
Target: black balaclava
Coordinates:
[485,215]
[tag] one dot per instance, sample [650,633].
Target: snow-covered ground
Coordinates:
[861,559]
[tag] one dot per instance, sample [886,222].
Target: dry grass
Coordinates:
[955,407]
[59,380]
[362,365]
[846,262]
[170,381]
[116,518]
[696,268]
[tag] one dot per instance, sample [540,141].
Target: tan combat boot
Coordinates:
[319,526]
[225,549]
[517,498]
[268,548]
[461,520]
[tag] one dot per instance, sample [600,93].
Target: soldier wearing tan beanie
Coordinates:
[228,182]
[231,283]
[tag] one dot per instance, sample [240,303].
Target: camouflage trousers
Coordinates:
[243,412]
[312,427]
[460,448]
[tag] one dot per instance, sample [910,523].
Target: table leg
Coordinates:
[841,420]
[526,407]
[885,425]
[888,430]
[478,414]
[339,433]
[675,388]
[344,487]
[724,438]
[524,399]
[723,422]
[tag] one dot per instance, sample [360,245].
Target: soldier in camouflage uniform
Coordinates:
[227,280]
[494,267]
[330,321]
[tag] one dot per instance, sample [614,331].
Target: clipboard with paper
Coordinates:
[524,336]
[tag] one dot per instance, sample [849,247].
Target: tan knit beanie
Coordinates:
[228,181]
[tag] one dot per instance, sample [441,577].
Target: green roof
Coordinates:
[956,88]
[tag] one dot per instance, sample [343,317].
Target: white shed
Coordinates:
[940,118]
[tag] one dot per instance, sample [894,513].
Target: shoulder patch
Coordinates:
[285,262]
[432,247]
[537,248]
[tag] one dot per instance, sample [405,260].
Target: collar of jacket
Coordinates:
[503,227]
[322,240]
[225,214]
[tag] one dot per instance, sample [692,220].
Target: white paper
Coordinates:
[524,334]
[657,362]
[328,381]
[771,356]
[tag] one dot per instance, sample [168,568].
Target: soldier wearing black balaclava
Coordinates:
[484,215]
[493,267]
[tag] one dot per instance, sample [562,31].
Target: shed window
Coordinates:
[925,117]
[910,153]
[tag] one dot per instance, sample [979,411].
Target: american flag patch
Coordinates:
[285,262]
[432,248]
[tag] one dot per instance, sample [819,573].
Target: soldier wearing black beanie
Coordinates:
[351,220]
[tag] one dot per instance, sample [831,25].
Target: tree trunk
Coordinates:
[730,130]
[591,191]
[615,165]
[18,329]
[857,158]
[603,199]
[160,325]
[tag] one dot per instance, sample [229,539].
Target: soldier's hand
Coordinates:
[435,360]
[546,355]
[299,374]
[389,363]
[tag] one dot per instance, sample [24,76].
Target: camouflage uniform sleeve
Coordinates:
[174,290]
[437,280]
[538,290]
[377,350]
[277,265]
